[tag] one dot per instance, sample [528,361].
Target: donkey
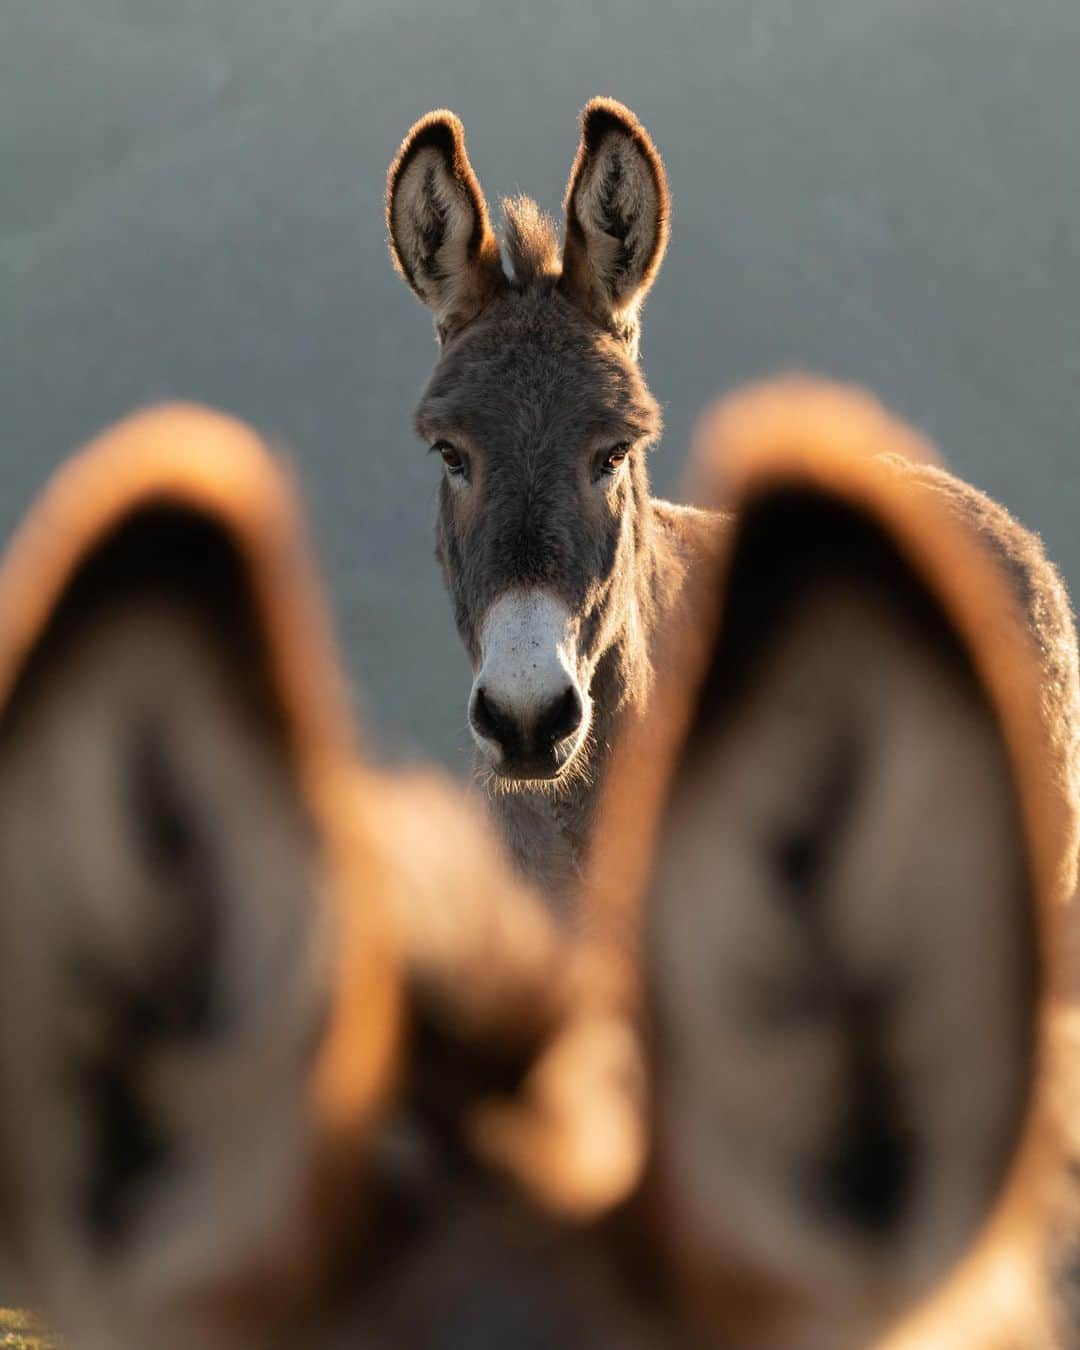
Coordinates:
[290,1055]
[560,564]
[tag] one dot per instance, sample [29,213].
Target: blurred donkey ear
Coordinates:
[170,886]
[441,239]
[841,936]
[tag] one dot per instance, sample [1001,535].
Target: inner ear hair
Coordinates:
[441,240]
[617,216]
[172,558]
[843,903]
[840,551]
[161,877]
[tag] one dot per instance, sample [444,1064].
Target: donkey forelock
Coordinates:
[531,240]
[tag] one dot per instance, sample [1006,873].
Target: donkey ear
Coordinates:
[167,875]
[617,215]
[842,940]
[441,239]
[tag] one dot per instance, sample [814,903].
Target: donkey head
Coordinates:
[542,418]
[289,1057]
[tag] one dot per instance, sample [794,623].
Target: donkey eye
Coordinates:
[612,459]
[456,463]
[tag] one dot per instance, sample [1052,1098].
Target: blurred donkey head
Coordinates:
[288,1056]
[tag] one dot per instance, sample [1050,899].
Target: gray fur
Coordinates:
[528,389]
[528,384]
[532,390]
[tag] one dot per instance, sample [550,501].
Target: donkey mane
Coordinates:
[531,241]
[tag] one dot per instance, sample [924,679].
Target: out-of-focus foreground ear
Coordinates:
[839,842]
[858,425]
[617,217]
[184,1067]
[441,239]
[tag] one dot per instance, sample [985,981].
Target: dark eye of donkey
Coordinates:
[456,463]
[611,461]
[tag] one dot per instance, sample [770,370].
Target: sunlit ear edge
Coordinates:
[599,117]
[800,445]
[441,131]
[197,460]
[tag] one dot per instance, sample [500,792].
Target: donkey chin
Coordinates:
[529,712]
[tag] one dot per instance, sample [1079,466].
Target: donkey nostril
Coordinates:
[487,719]
[480,715]
[561,718]
[537,738]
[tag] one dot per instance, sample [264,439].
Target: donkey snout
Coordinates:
[531,742]
[528,711]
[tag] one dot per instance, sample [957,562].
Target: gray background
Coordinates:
[883,190]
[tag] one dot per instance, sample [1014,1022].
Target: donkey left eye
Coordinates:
[457,466]
[612,460]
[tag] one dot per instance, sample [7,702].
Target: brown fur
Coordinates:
[444,247]
[603,204]
[782,415]
[480,1121]
[1021,636]
[530,240]
[517,390]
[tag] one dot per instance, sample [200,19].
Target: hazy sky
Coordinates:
[191,206]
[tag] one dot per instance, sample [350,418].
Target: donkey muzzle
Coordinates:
[527,711]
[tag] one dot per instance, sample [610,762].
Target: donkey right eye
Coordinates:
[457,466]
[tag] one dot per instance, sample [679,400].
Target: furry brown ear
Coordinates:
[441,239]
[617,216]
[175,853]
[845,801]
[845,836]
